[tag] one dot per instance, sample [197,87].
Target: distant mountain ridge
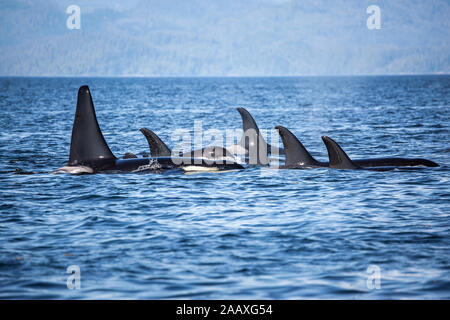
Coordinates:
[224,38]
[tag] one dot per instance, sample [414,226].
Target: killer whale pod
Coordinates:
[297,156]
[159,149]
[252,144]
[89,152]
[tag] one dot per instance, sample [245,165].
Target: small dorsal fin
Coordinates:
[129,155]
[295,152]
[88,143]
[338,158]
[157,147]
[252,140]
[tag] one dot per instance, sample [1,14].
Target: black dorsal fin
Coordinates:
[338,158]
[247,120]
[295,152]
[88,143]
[251,138]
[248,124]
[157,147]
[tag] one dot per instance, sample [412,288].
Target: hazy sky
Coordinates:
[223,38]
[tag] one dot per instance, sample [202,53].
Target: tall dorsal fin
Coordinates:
[338,158]
[247,120]
[251,138]
[295,152]
[88,143]
[157,147]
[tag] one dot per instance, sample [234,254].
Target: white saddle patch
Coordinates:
[199,168]
[74,170]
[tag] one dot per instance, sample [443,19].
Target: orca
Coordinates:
[297,156]
[89,152]
[340,160]
[252,144]
[159,149]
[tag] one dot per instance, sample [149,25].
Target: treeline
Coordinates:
[201,38]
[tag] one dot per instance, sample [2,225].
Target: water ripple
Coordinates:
[249,234]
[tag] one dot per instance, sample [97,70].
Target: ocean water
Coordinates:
[257,233]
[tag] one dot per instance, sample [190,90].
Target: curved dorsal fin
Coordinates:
[338,158]
[252,140]
[157,147]
[295,152]
[247,120]
[248,124]
[87,142]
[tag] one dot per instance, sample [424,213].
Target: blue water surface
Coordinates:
[257,233]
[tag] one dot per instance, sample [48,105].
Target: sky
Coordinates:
[223,38]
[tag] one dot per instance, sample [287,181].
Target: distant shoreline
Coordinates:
[218,77]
